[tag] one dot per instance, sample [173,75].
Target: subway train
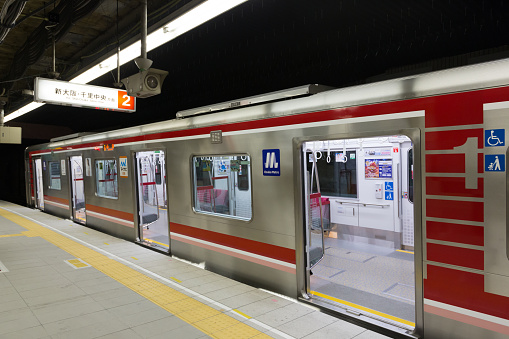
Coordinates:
[384,204]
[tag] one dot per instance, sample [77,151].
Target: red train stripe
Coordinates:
[455,109]
[447,140]
[489,325]
[450,163]
[336,114]
[464,257]
[56,199]
[437,107]
[110,212]
[463,289]
[453,187]
[232,253]
[267,250]
[463,234]
[451,209]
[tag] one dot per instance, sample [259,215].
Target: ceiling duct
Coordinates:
[8,16]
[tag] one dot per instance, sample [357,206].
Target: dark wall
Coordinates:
[12,171]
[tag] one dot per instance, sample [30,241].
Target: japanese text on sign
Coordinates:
[67,93]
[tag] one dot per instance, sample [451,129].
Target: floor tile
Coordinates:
[73,323]
[93,330]
[36,332]
[263,306]
[158,327]
[124,334]
[284,314]
[336,330]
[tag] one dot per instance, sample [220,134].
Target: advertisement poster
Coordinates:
[378,168]
[88,167]
[124,171]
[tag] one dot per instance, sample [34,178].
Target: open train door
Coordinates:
[77,190]
[314,218]
[153,222]
[39,193]
[359,229]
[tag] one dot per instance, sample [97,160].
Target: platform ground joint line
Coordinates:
[203,317]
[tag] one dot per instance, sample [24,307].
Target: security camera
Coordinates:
[145,83]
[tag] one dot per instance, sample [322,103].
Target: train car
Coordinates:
[385,204]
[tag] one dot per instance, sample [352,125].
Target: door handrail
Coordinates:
[362,203]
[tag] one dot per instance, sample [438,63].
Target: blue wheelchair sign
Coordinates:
[389,186]
[494,137]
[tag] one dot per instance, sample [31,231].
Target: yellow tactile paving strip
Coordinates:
[205,318]
[77,263]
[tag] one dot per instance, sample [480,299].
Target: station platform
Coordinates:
[59,279]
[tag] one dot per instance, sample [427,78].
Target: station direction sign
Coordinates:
[66,93]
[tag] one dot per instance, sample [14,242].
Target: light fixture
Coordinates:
[184,23]
[23,110]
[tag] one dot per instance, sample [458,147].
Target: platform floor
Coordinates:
[59,279]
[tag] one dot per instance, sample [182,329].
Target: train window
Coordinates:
[222,185]
[338,174]
[54,175]
[106,178]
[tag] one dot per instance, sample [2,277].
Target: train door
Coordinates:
[360,258]
[77,190]
[39,193]
[153,229]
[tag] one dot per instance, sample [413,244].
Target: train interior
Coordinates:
[152,199]
[360,227]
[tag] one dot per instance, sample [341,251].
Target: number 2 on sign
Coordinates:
[125,101]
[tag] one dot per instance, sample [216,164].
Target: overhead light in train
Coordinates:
[169,31]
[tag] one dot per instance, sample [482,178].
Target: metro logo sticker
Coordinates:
[271,162]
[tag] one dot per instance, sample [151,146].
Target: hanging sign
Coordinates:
[70,94]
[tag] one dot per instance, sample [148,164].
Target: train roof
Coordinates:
[479,76]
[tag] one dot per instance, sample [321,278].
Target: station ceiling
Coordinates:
[258,47]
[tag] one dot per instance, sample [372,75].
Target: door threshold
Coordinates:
[154,247]
[373,322]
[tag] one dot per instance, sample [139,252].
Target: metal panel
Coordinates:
[496,261]
[273,96]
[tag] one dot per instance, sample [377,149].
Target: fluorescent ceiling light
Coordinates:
[23,110]
[195,17]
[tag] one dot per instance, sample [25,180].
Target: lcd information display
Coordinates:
[378,168]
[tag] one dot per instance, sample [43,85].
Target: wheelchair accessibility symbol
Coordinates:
[494,137]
